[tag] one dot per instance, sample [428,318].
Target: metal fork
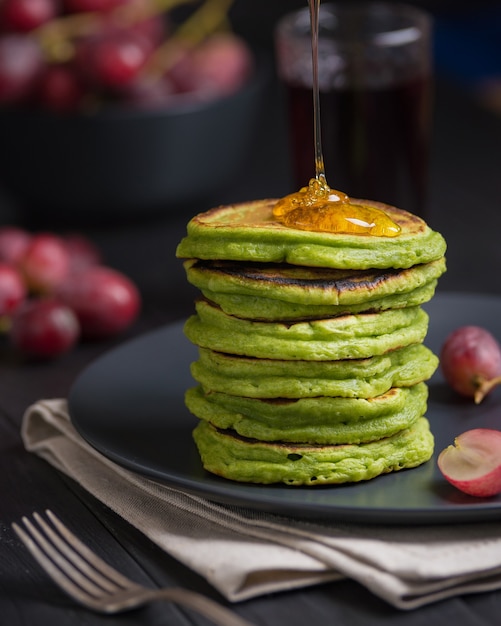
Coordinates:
[92,582]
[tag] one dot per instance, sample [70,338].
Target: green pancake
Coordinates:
[284,292]
[248,232]
[265,309]
[349,378]
[352,336]
[247,460]
[319,420]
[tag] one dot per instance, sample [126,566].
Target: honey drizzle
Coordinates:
[314,6]
[317,207]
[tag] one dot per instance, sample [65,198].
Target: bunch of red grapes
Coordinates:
[70,55]
[54,290]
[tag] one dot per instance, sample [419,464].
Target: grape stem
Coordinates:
[484,386]
[56,37]
[5,324]
[210,17]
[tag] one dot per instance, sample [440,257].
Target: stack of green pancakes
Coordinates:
[312,368]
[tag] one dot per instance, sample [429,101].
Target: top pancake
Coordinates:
[248,232]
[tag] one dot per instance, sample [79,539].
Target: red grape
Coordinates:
[20,65]
[13,243]
[225,62]
[104,300]
[26,15]
[152,29]
[44,328]
[217,67]
[471,361]
[84,6]
[82,252]
[147,92]
[46,263]
[113,59]
[12,289]
[60,89]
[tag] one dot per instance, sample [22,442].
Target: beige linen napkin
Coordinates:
[245,553]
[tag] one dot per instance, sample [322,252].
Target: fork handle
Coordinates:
[220,615]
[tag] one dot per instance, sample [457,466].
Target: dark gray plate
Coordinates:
[129,405]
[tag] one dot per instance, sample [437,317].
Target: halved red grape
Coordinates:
[473,463]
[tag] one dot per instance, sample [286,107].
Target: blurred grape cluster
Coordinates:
[76,55]
[55,290]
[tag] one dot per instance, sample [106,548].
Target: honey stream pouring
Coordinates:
[317,207]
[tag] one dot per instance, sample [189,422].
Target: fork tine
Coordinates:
[80,556]
[48,565]
[60,555]
[90,556]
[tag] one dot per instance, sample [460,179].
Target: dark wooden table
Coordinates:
[465,205]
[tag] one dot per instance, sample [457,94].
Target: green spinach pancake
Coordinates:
[351,336]
[283,292]
[279,378]
[312,420]
[249,232]
[231,456]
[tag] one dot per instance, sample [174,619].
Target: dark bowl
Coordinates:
[123,163]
